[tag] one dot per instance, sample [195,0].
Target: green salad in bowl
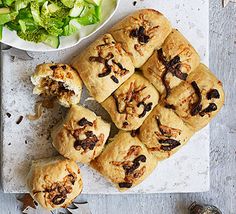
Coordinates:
[48,20]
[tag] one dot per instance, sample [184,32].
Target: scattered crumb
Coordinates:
[134,3]
[8,114]
[19,120]
[48,137]
[26,142]
[9,144]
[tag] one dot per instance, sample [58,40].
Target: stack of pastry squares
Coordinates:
[149,78]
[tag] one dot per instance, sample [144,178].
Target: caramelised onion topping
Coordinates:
[57,192]
[140,34]
[213,93]
[125,185]
[197,106]
[132,95]
[109,66]
[173,66]
[147,108]
[212,107]
[170,106]
[130,170]
[159,126]
[84,122]
[88,143]
[169,144]
[115,80]
[117,104]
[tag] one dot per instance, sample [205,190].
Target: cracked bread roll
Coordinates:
[103,67]
[54,182]
[141,33]
[81,136]
[58,81]
[171,64]
[130,104]
[125,161]
[164,133]
[197,100]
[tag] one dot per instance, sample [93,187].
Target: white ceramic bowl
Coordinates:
[108,9]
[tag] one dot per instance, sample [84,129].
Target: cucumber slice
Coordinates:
[53,8]
[68,3]
[1,29]
[22,25]
[96,2]
[77,9]
[53,41]
[4,10]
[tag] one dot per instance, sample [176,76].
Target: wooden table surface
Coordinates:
[223,140]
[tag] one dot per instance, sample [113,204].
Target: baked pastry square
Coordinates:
[198,99]
[103,67]
[125,161]
[54,182]
[81,136]
[141,33]
[164,133]
[172,63]
[132,103]
[58,81]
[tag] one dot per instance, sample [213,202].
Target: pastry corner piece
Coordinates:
[130,104]
[54,182]
[81,136]
[172,63]
[103,67]
[57,81]
[125,161]
[164,132]
[197,100]
[141,33]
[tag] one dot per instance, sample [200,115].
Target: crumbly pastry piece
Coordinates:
[198,99]
[81,136]
[131,103]
[141,33]
[58,81]
[54,182]
[172,63]
[103,67]
[164,133]
[125,161]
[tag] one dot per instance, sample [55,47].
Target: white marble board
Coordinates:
[187,171]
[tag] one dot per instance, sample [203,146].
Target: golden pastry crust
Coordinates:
[125,161]
[131,103]
[164,133]
[171,64]
[141,33]
[198,99]
[54,182]
[103,67]
[58,81]
[81,136]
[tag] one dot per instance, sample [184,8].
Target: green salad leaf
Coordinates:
[48,20]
